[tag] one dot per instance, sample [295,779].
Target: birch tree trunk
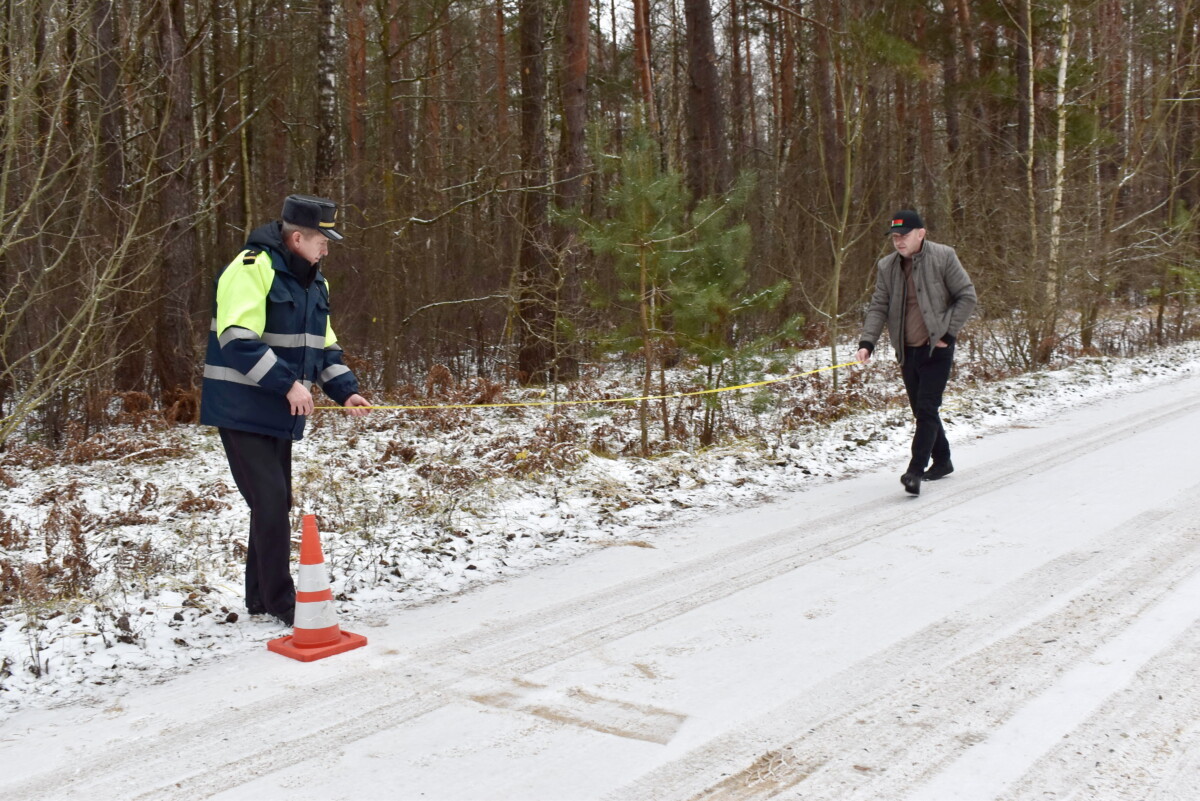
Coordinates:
[1028,121]
[501,75]
[327,154]
[1054,267]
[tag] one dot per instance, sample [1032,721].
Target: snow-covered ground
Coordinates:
[141,530]
[732,624]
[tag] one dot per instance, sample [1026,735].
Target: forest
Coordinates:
[527,185]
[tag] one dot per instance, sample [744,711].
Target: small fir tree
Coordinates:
[681,269]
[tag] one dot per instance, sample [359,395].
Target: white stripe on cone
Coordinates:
[315,615]
[312,578]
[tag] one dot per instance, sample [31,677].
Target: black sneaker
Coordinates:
[939,470]
[912,483]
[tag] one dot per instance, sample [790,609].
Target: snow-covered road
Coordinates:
[1028,628]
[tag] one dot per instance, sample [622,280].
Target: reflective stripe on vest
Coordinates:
[226,374]
[332,372]
[258,371]
[252,378]
[234,332]
[294,340]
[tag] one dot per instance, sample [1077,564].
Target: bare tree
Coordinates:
[156,133]
[62,268]
[174,354]
[706,153]
[537,276]
[642,64]
[574,103]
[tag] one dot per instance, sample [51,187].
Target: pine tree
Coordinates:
[709,292]
[683,272]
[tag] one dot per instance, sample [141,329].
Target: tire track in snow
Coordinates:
[955,708]
[574,627]
[265,736]
[1143,743]
[954,676]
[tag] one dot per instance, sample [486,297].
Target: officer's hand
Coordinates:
[354,402]
[863,355]
[300,399]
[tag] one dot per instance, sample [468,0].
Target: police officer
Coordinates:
[269,342]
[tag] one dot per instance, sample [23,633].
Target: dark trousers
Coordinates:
[925,377]
[262,470]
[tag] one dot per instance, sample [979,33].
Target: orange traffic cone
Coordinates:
[317,634]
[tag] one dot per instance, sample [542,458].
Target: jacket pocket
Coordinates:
[279,294]
[283,313]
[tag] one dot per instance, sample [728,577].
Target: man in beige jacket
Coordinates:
[924,296]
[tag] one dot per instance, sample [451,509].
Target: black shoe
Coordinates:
[939,470]
[288,618]
[912,483]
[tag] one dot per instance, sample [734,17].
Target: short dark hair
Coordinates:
[287,229]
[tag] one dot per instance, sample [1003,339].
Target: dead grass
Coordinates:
[204,501]
[14,535]
[116,445]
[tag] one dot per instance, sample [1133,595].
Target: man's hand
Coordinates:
[942,344]
[354,402]
[300,399]
[863,355]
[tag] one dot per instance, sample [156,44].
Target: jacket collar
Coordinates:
[269,237]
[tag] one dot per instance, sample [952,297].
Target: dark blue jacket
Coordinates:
[270,328]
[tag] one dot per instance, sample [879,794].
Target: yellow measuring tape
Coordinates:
[600,400]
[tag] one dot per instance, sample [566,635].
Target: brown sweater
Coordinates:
[915,331]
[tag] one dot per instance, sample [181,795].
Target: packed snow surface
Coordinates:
[768,617]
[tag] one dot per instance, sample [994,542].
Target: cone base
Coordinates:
[346,642]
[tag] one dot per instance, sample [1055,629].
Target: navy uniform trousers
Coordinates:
[262,470]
